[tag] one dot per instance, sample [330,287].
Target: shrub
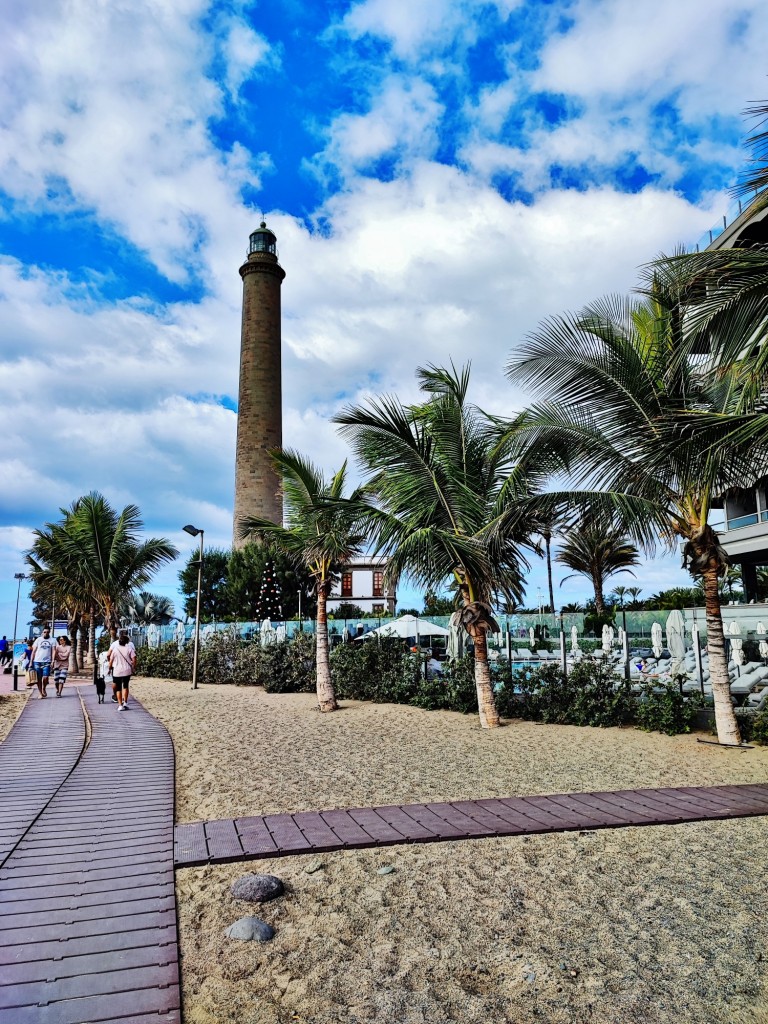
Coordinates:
[588,695]
[666,710]
[380,669]
[760,729]
[455,691]
[164,662]
[288,666]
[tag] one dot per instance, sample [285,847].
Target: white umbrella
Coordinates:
[409,625]
[181,636]
[532,635]
[657,639]
[575,649]
[676,640]
[763,644]
[607,638]
[455,637]
[734,632]
[153,635]
[280,633]
[267,632]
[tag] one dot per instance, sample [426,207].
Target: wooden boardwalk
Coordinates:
[87,902]
[278,835]
[87,850]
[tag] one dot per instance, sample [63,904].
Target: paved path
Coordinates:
[276,835]
[87,903]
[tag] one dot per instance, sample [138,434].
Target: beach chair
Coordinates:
[545,655]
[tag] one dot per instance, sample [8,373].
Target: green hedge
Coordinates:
[586,696]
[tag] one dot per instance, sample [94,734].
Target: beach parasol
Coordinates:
[153,635]
[607,638]
[532,635]
[280,633]
[181,636]
[575,649]
[676,641]
[763,644]
[267,632]
[408,626]
[455,637]
[734,635]
[657,639]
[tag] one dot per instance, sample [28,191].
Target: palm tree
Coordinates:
[96,558]
[634,593]
[147,609]
[598,554]
[619,593]
[651,438]
[320,536]
[446,490]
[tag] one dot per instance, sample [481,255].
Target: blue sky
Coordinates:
[441,176]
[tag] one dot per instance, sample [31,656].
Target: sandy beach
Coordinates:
[638,925]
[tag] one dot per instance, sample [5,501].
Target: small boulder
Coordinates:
[257,888]
[250,929]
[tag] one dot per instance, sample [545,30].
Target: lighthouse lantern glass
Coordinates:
[262,241]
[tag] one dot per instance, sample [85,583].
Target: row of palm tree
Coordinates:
[648,432]
[91,561]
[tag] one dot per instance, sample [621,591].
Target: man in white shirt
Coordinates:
[42,653]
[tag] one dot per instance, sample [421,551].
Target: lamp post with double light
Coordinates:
[194,532]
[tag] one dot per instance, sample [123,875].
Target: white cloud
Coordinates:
[245,51]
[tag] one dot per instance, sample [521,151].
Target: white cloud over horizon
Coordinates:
[127,124]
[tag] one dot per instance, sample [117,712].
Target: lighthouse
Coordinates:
[260,412]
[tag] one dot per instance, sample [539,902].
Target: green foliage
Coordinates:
[438,604]
[589,695]
[666,710]
[163,662]
[380,669]
[288,666]
[676,598]
[245,572]
[346,610]
[455,691]
[214,593]
[759,729]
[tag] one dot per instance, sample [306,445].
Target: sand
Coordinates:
[638,925]
[10,709]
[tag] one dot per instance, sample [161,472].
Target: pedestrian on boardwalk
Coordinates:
[42,654]
[61,653]
[103,676]
[122,662]
[5,652]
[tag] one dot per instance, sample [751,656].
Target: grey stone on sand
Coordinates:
[313,866]
[250,929]
[386,870]
[257,888]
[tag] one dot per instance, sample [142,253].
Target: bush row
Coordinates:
[384,671]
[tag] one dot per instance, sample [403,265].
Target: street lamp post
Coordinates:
[194,532]
[301,621]
[17,576]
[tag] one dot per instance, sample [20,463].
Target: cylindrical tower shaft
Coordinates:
[260,414]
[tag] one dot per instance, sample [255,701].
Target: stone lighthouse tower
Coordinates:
[260,413]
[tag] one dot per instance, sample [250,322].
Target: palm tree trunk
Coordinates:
[73,628]
[725,719]
[91,660]
[599,599]
[325,696]
[547,544]
[486,703]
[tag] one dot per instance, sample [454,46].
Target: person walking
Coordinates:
[61,653]
[41,657]
[5,653]
[122,663]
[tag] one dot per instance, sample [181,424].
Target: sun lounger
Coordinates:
[546,655]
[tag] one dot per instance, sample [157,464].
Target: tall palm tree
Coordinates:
[619,595]
[320,535]
[95,557]
[634,593]
[649,437]
[598,554]
[444,481]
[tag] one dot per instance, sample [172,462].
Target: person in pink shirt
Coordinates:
[122,663]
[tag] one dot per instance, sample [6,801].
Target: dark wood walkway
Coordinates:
[87,903]
[277,835]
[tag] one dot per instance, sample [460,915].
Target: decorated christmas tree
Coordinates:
[269,600]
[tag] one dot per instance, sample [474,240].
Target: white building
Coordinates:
[362,583]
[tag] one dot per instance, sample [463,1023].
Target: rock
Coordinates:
[314,865]
[257,888]
[250,929]
[386,870]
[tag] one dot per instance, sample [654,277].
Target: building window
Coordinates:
[378,609]
[378,583]
[346,584]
